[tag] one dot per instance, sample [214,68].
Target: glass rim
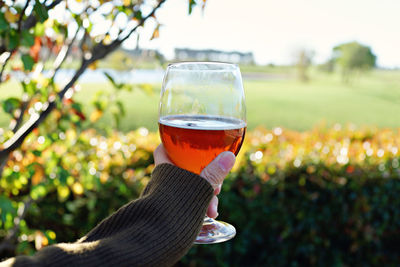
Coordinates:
[219,65]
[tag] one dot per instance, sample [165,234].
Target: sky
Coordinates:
[274,30]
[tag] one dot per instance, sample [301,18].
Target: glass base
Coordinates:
[214,232]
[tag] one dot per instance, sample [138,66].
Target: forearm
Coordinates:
[158,228]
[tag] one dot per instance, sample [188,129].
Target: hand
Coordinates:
[214,173]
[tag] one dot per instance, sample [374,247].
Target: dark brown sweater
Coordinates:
[156,229]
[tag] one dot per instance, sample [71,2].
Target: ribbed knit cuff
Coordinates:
[156,229]
[168,175]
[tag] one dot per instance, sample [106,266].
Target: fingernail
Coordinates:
[215,206]
[226,161]
[217,190]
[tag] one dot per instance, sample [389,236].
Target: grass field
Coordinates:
[371,100]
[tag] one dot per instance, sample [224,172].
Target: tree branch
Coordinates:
[53,4]
[4,65]
[82,42]
[22,16]
[13,50]
[63,54]
[17,139]
[32,20]
[98,52]
[25,104]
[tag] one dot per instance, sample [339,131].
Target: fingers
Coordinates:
[212,211]
[160,155]
[217,190]
[216,171]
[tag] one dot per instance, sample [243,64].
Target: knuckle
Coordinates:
[213,176]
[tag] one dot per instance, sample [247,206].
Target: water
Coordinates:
[133,76]
[97,76]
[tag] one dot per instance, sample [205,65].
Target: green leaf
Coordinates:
[39,29]
[101,100]
[13,39]
[192,3]
[6,207]
[29,88]
[38,191]
[37,153]
[3,22]
[40,11]
[11,104]
[28,61]
[111,79]
[62,176]
[138,15]
[27,39]
[117,119]
[77,107]
[121,107]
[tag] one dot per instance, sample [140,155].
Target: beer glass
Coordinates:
[201,114]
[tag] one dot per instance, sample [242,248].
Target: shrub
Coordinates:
[324,197]
[321,198]
[71,184]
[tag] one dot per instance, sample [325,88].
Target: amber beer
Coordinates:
[192,142]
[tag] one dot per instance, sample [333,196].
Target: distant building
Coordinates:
[144,54]
[185,54]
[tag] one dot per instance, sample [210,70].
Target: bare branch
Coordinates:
[63,54]
[22,15]
[82,43]
[53,4]
[7,56]
[20,117]
[144,19]
[100,51]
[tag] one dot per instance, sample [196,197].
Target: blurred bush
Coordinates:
[67,182]
[319,198]
[326,197]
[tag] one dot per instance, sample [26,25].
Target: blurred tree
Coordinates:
[123,59]
[303,58]
[36,38]
[328,66]
[119,60]
[353,57]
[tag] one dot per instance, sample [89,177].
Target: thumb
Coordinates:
[216,171]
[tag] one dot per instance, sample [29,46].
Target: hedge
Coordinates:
[326,197]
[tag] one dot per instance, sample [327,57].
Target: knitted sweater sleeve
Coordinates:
[156,229]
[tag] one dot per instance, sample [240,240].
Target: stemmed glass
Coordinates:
[201,114]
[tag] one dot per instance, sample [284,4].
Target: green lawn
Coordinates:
[372,100]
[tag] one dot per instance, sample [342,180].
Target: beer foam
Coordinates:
[202,122]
